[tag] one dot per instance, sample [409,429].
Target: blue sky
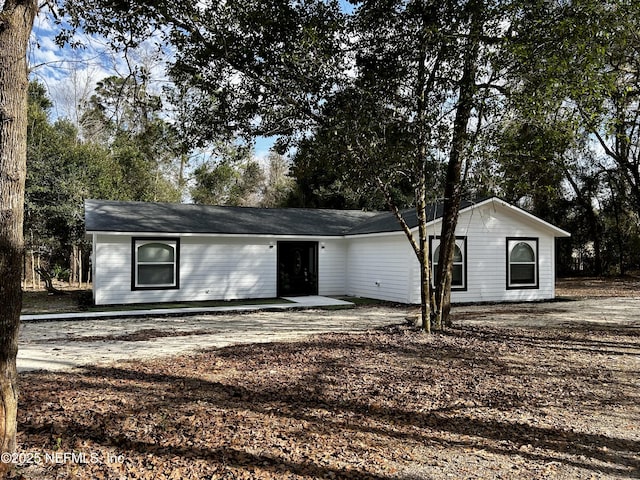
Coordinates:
[71,74]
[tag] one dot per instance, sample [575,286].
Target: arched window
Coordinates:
[155,263]
[522,270]
[459,267]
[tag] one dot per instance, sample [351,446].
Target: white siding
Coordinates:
[210,268]
[381,267]
[376,266]
[487,228]
[332,260]
[112,268]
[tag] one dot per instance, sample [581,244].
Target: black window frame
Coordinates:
[512,242]
[434,242]
[174,242]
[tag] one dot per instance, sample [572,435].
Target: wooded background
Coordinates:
[554,127]
[378,105]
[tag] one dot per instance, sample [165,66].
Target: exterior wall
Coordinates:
[332,260]
[381,267]
[487,228]
[210,269]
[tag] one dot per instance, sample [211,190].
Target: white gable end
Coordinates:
[487,228]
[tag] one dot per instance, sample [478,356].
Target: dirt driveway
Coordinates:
[62,345]
[601,312]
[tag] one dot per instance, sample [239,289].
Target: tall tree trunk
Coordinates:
[16,21]
[453,190]
[423,257]
[181,180]
[619,238]
[72,266]
[38,266]
[584,199]
[80,268]
[32,270]
[420,248]
[424,84]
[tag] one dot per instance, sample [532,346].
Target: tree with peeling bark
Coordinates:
[477,20]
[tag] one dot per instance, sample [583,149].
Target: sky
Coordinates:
[67,73]
[70,75]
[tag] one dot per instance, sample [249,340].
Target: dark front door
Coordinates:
[297,268]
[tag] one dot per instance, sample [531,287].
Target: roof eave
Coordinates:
[558,232]
[211,234]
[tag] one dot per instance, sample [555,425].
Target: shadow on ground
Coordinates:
[384,404]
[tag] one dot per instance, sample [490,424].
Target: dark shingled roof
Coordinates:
[141,217]
[387,222]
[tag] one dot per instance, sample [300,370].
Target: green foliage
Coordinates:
[586,54]
[61,173]
[61,273]
[571,147]
[278,184]
[123,162]
[531,162]
[256,68]
[234,179]
[125,118]
[360,141]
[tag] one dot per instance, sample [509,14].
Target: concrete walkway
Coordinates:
[296,302]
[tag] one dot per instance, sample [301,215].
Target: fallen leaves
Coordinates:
[590,287]
[386,404]
[137,336]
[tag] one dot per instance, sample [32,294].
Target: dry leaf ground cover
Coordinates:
[475,402]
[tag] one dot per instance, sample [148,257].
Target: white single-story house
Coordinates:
[155,252]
